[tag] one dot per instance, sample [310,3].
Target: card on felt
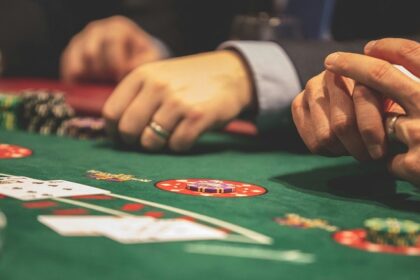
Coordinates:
[157,230]
[24,188]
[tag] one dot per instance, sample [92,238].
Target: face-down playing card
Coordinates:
[25,188]
[131,230]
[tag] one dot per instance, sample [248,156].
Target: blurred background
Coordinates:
[34,33]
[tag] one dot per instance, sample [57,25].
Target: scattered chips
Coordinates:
[211,188]
[294,220]
[13,151]
[392,232]
[104,176]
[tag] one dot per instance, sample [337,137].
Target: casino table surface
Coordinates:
[339,190]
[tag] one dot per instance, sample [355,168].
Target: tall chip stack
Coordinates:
[10,110]
[44,111]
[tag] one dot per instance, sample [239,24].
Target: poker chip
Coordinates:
[211,188]
[392,231]
[44,111]
[357,238]
[11,151]
[83,128]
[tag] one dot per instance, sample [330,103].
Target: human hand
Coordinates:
[171,103]
[106,50]
[377,72]
[336,116]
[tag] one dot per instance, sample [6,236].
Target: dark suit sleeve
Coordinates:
[308,57]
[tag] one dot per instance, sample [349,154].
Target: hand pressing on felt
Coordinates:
[106,50]
[377,72]
[336,116]
[171,103]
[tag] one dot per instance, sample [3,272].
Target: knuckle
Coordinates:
[409,49]
[147,141]
[93,26]
[411,164]
[109,113]
[379,71]
[360,91]
[195,113]
[370,133]
[297,104]
[342,124]
[176,102]
[312,84]
[124,128]
[118,19]
[159,87]
[413,134]
[89,52]
[325,138]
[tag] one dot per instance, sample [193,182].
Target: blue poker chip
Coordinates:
[211,186]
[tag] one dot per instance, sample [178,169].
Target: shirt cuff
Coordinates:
[275,78]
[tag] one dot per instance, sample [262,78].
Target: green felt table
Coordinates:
[341,191]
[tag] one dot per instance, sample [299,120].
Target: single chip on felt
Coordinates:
[154,214]
[13,151]
[211,188]
[94,197]
[39,204]
[72,211]
[2,196]
[132,207]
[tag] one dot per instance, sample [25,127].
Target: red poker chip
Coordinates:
[356,238]
[12,151]
[241,189]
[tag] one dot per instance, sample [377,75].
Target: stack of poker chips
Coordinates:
[44,111]
[211,186]
[10,110]
[392,232]
[83,128]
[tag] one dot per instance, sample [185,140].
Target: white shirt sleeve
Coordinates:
[274,75]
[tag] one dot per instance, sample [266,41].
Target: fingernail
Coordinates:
[330,60]
[376,151]
[369,46]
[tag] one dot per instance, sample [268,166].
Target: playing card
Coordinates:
[128,229]
[158,230]
[24,188]
[78,225]
[179,229]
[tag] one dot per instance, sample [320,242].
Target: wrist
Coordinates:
[242,77]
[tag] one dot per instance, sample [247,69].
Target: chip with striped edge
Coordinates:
[211,188]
